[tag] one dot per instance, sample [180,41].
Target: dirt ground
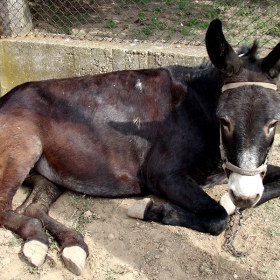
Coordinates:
[126,249]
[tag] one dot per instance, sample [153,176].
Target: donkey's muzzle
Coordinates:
[245,191]
[244,202]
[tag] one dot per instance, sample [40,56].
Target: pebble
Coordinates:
[111,236]
[87,214]
[167,243]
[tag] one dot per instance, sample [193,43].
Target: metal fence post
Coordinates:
[16,17]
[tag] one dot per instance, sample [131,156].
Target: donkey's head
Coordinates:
[249,108]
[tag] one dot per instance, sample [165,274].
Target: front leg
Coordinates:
[271,184]
[191,207]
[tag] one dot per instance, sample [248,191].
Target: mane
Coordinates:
[250,52]
[204,65]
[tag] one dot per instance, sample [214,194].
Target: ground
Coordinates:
[126,249]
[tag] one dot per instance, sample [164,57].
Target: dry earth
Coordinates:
[126,249]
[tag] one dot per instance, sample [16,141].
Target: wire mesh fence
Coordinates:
[183,21]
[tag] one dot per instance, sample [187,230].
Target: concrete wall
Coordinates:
[33,59]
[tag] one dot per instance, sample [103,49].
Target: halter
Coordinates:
[226,164]
[240,84]
[242,171]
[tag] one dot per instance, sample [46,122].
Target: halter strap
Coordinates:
[242,171]
[240,84]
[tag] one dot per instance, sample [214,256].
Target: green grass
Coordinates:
[79,219]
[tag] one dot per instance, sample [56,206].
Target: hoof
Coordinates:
[227,203]
[137,210]
[35,252]
[74,259]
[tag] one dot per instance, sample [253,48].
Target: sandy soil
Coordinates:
[126,249]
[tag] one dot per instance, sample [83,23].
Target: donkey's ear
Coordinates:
[220,52]
[271,63]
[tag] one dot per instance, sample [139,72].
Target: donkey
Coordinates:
[170,131]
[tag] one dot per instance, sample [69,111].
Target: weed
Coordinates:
[182,4]
[110,215]
[33,269]
[274,30]
[154,21]
[181,235]
[191,22]
[273,232]
[244,12]
[172,29]
[26,191]
[186,31]
[156,11]
[81,203]
[141,16]
[111,274]
[53,243]
[110,24]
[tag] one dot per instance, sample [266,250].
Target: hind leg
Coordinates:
[44,193]
[19,152]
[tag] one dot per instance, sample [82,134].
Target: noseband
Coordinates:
[226,164]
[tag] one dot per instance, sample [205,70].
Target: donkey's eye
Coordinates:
[272,126]
[225,123]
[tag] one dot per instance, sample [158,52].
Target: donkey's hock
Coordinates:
[170,131]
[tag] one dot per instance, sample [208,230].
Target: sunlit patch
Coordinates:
[139,85]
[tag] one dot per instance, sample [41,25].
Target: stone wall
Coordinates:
[30,59]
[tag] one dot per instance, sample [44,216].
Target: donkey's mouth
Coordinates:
[245,191]
[243,202]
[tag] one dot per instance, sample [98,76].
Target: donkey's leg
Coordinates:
[191,207]
[44,193]
[271,184]
[19,152]
[171,214]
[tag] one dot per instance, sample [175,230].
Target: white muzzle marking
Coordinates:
[245,188]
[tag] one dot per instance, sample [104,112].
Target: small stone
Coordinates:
[87,214]
[167,243]
[111,236]
[235,276]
